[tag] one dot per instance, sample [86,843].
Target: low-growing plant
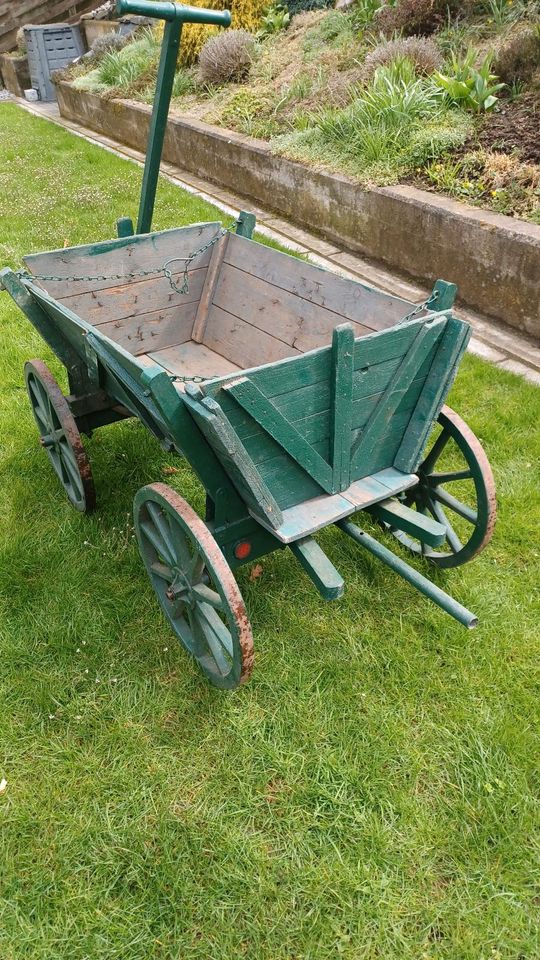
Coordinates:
[470,87]
[226,57]
[276,18]
[496,180]
[363,12]
[122,68]
[411,17]
[184,83]
[422,52]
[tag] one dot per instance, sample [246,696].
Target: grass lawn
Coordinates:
[370,794]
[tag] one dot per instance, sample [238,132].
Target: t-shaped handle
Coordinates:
[160,10]
[175,15]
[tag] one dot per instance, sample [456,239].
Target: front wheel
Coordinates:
[194,585]
[456,486]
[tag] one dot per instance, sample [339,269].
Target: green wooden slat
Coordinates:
[228,448]
[340,442]
[438,382]
[275,423]
[317,565]
[366,445]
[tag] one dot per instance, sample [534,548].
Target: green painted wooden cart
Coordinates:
[299,398]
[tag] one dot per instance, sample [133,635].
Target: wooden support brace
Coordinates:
[209,288]
[267,415]
[324,575]
[416,524]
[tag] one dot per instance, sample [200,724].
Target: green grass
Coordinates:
[371,795]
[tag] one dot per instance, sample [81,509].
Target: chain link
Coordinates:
[432,299]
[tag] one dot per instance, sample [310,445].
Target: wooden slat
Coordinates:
[438,382]
[396,389]
[284,433]
[349,299]
[223,440]
[120,257]
[207,292]
[240,342]
[340,425]
[293,319]
[135,298]
[152,331]
[192,359]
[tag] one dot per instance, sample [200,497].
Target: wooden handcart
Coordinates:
[300,398]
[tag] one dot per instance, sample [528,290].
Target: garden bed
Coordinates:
[494,259]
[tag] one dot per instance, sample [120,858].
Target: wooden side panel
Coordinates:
[349,299]
[136,298]
[242,343]
[152,331]
[120,257]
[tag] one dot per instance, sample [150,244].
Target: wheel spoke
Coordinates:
[161,524]
[162,571]
[435,451]
[450,477]
[462,510]
[451,536]
[214,643]
[196,569]
[207,614]
[69,464]
[155,540]
[39,407]
[206,595]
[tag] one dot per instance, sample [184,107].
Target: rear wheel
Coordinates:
[59,435]
[457,488]
[194,585]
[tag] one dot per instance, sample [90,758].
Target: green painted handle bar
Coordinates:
[161,10]
[175,15]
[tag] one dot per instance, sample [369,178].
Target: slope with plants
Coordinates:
[443,94]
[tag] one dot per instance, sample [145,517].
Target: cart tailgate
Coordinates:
[321,422]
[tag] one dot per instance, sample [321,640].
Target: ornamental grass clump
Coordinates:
[412,17]
[226,58]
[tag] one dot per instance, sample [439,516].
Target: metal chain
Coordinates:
[433,297]
[135,274]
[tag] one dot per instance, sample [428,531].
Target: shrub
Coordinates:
[422,52]
[519,58]
[301,6]
[411,17]
[226,58]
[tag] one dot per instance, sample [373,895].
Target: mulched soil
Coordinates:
[516,124]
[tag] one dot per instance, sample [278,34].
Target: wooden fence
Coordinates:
[14,15]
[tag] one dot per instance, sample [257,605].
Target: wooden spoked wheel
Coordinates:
[59,435]
[457,488]
[194,584]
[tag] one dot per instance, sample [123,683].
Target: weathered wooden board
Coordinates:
[349,299]
[242,343]
[134,298]
[152,331]
[319,511]
[119,258]
[298,322]
[193,359]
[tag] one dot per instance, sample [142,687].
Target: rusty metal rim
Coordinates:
[40,370]
[219,568]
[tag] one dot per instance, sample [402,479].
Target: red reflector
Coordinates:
[242,550]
